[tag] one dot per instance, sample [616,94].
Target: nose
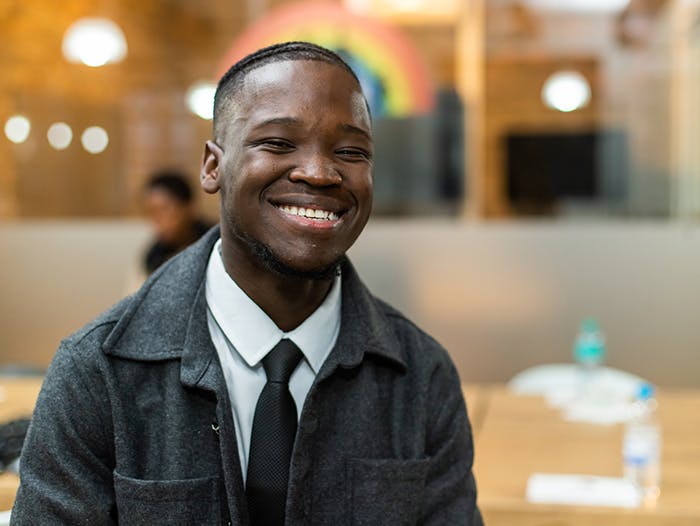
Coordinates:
[316,170]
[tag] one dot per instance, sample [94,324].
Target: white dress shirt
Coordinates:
[243,334]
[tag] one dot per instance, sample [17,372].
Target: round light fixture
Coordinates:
[94,42]
[95,139]
[59,135]
[200,99]
[566,91]
[17,128]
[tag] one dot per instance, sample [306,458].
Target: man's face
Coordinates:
[293,164]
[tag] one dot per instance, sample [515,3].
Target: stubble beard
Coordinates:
[271,262]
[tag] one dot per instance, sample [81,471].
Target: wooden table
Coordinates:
[17,399]
[520,435]
[477,398]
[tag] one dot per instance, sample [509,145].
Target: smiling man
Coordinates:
[254,379]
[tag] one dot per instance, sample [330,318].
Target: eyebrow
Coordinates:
[291,121]
[354,129]
[277,120]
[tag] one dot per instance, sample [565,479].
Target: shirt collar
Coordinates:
[253,333]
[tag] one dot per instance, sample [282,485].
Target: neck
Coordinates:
[287,300]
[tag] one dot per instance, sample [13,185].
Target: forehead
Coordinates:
[300,86]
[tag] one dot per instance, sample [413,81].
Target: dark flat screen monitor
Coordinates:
[545,168]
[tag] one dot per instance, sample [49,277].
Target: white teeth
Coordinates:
[309,213]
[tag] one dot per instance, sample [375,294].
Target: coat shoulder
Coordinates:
[88,340]
[419,347]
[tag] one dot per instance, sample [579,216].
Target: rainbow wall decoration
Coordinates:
[393,76]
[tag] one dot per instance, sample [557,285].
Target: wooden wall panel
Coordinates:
[172,43]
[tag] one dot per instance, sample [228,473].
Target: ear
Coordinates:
[209,174]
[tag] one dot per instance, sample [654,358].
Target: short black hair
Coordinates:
[173,182]
[233,78]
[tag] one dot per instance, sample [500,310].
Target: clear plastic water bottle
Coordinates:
[589,352]
[589,349]
[641,446]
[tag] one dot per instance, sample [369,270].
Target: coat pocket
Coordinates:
[172,502]
[386,491]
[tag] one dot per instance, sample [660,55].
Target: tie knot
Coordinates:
[280,362]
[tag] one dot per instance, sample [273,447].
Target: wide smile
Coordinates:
[309,213]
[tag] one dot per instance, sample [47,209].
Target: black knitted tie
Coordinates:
[272,438]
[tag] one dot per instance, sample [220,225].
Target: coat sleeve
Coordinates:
[450,496]
[66,463]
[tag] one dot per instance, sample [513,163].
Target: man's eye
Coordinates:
[276,144]
[354,153]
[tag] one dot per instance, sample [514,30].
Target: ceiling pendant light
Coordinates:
[95,139]
[17,128]
[566,91]
[94,42]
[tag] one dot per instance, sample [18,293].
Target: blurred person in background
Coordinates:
[170,206]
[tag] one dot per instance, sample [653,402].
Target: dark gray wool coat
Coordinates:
[133,424]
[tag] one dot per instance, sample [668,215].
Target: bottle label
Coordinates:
[641,446]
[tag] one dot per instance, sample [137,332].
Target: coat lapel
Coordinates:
[364,329]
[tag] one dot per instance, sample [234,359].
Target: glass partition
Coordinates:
[534,108]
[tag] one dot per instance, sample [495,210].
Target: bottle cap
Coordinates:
[646,391]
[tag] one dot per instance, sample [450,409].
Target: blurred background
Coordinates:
[538,163]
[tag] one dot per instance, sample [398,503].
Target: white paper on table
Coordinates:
[586,490]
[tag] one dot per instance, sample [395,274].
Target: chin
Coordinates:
[317,271]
